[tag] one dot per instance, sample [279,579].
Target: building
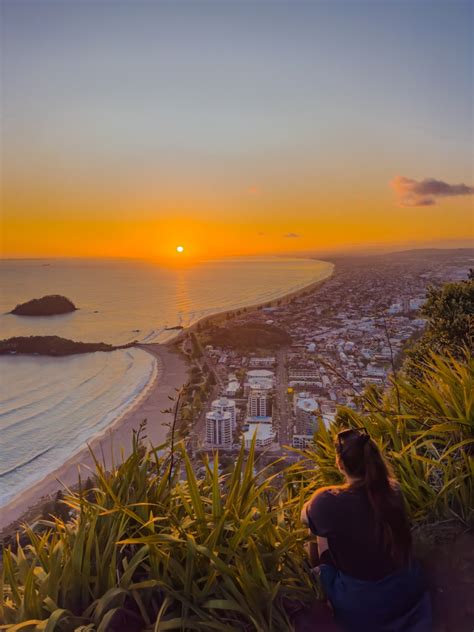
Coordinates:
[225,405]
[302,441]
[305,414]
[263,362]
[260,373]
[259,403]
[232,387]
[219,429]
[263,433]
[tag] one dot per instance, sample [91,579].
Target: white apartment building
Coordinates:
[225,405]
[305,414]
[219,429]
[259,403]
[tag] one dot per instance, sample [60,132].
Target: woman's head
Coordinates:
[357,454]
[360,459]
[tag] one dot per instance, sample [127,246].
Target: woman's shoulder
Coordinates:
[324,508]
[326,495]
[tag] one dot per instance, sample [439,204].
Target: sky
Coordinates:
[234,127]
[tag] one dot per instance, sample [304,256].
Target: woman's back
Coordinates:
[345,517]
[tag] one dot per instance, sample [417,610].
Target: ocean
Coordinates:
[50,407]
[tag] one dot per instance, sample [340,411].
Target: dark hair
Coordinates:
[362,460]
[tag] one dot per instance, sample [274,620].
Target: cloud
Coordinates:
[424,192]
[291,235]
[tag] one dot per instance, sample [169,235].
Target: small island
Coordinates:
[53,346]
[51,305]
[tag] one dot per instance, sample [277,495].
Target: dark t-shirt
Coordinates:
[344,516]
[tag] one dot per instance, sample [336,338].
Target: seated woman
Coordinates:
[364,544]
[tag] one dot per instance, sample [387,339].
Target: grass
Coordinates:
[154,547]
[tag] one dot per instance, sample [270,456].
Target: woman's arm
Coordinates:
[322,545]
[304,514]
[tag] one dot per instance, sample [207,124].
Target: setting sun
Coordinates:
[179,249]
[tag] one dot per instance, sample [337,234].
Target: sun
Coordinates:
[179,249]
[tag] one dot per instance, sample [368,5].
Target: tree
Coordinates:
[449,311]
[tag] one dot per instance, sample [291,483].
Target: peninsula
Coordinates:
[52,346]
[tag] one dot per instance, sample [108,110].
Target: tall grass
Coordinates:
[155,547]
[425,428]
[215,552]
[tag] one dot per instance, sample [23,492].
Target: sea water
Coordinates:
[50,407]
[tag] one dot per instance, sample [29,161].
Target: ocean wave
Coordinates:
[82,415]
[27,461]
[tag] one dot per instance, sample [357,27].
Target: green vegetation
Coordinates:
[249,337]
[449,311]
[151,551]
[148,549]
[152,546]
[52,346]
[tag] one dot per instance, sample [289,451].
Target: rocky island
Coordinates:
[51,305]
[52,346]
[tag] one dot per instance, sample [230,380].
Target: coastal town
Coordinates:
[329,344]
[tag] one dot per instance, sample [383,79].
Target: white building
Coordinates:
[263,433]
[258,373]
[302,441]
[259,404]
[263,362]
[225,405]
[258,384]
[233,386]
[305,414]
[219,429]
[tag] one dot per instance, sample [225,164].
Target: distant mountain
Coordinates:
[51,305]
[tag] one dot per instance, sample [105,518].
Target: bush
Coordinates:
[150,546]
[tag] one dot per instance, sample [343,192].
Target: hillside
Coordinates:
[151,545]
[51,346]
[249,337]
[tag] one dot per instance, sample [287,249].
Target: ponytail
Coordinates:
[363,460]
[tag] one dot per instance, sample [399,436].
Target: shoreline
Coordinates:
[114,442]
[283,299]
[110,444]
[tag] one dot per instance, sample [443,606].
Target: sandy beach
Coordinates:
[116,440]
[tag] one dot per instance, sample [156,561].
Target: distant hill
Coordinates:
[52,346]
[51,305]
[249,337]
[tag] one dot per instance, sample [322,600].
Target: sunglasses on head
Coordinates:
[352,433]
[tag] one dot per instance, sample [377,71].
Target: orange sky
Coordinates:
[235,129]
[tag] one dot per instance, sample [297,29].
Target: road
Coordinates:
[283,406]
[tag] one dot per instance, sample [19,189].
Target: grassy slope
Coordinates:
[157,547]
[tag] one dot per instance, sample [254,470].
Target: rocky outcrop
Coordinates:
[51,305]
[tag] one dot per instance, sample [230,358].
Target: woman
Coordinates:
[364,544]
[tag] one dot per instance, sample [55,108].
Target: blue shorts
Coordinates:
[396,603]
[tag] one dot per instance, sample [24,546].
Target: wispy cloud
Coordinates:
[424,192]
[291,235]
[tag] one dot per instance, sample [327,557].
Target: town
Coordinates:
[272,374]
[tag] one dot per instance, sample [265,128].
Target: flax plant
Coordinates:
[153,546]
